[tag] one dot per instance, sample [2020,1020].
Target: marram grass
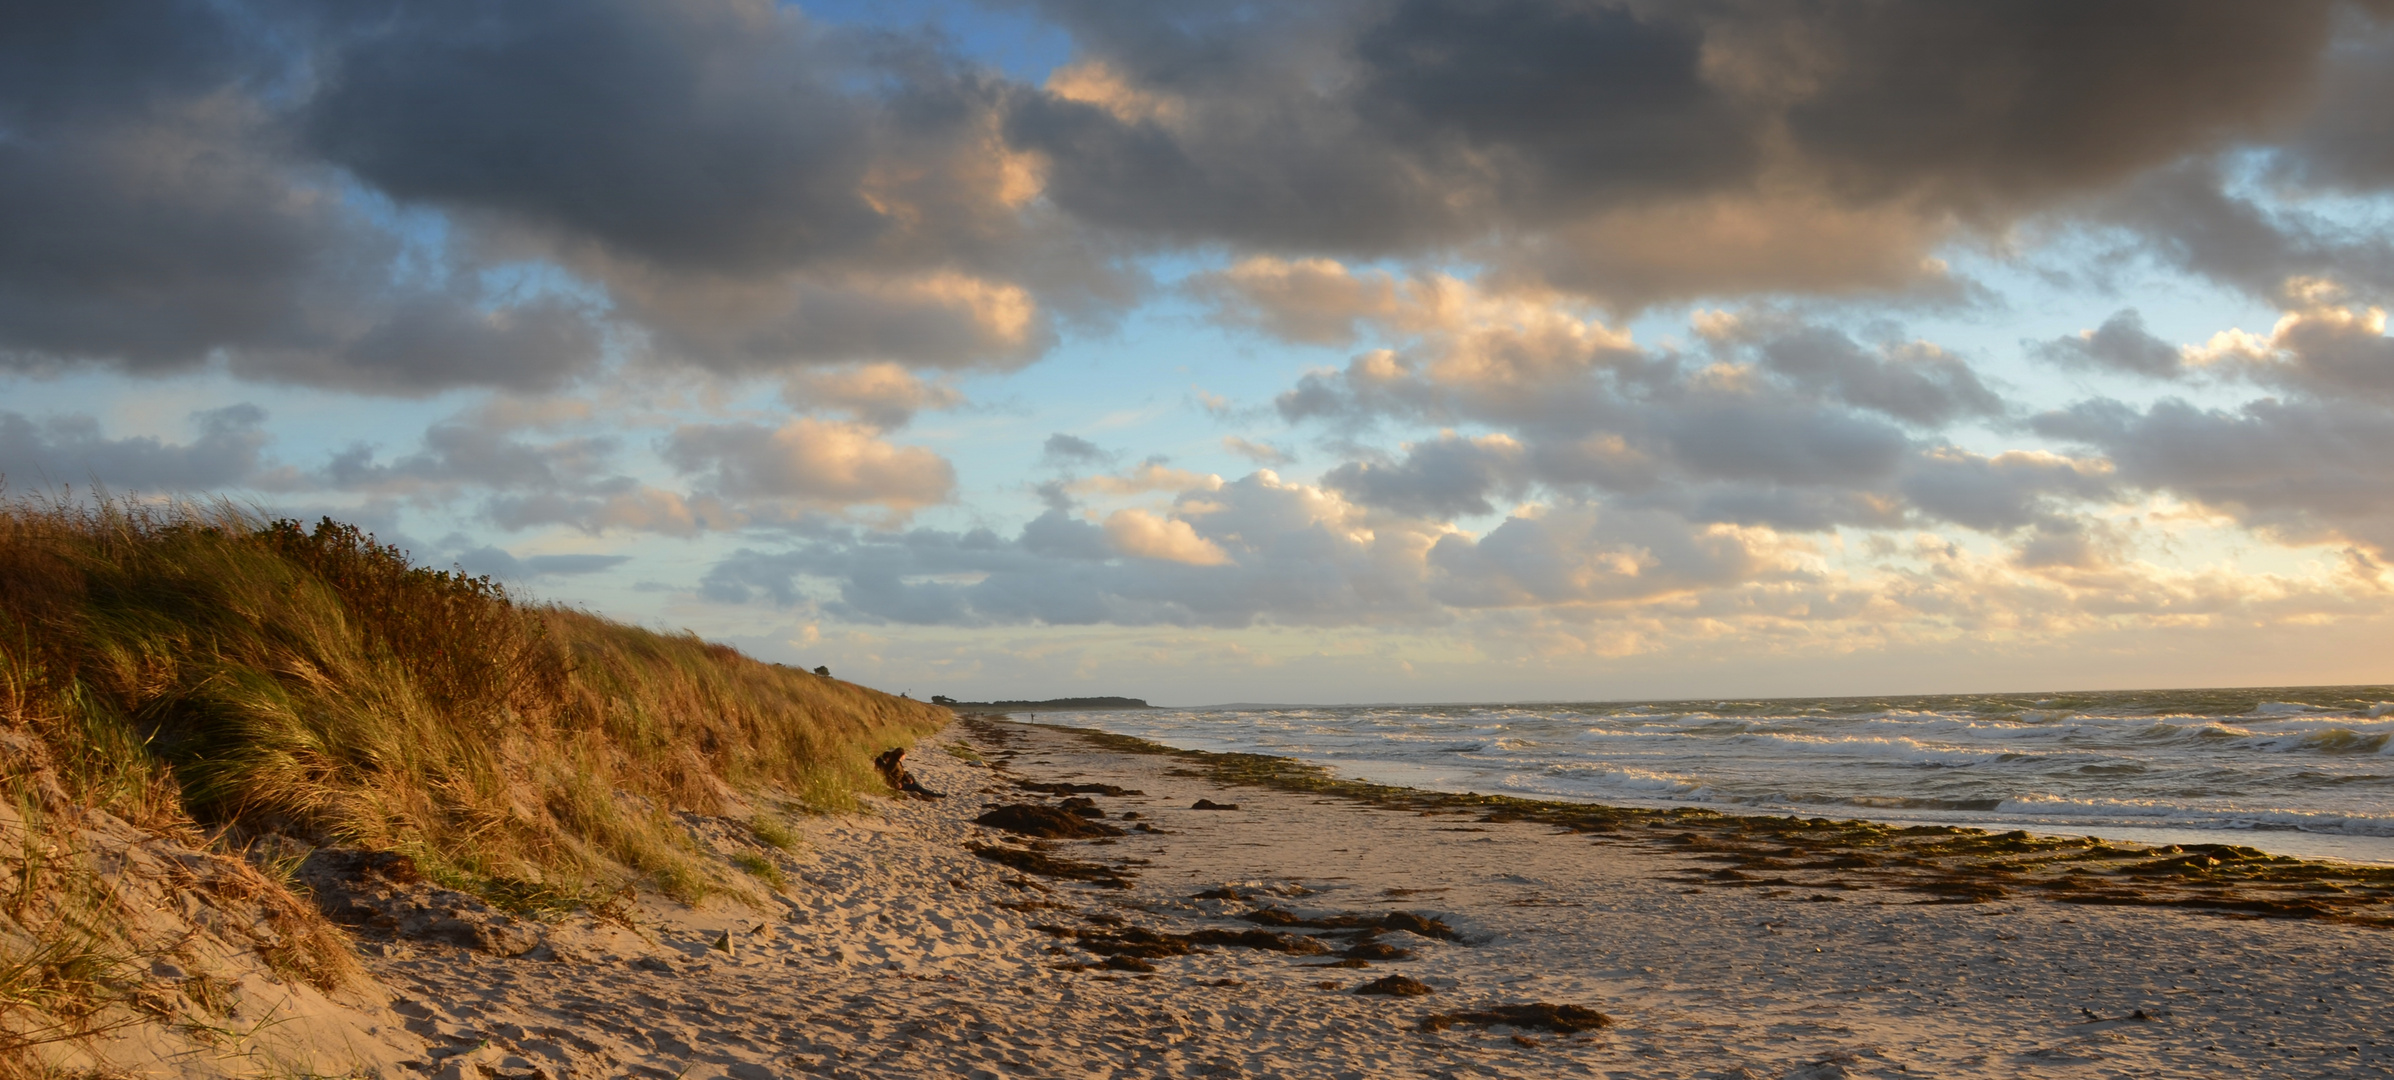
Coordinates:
[200,666]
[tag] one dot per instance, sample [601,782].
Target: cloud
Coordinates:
[1441,479]
[1313,301]
[403,199]
[1066,451]
[1150,475]
[2346,143]
[2003,492]
[400,199]
[1915,382]
[1634,152]
[2121,344]
[1581,555]
[884,395]
[810,461]
[2304,470]
[1261,453]
[499,563]
[1140,534]
[2323,349]
[73,450]
[2187,217]
[471,451]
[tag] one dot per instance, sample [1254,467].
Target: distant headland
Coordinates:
[1064,704]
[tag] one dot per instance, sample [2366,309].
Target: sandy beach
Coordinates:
[897,951]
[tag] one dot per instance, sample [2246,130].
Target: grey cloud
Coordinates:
[73,450]
[2302,468]
[809,461]
[466,452]
[2000,493]
[2347,142]
[197,181]
[1261,453]
[1806,440]
[1737,438]
[1577,555]
[744,189]
[2121,344]
[1914,382]
[499,563]
[1442,479]
[2184,217]
[1379,128]
[1291,569]
[699,135]
[158,220]
[2026,100]
[754,190]
[2065,543]
[1576,104]
[1808,509]
[2334,357]
[1065,451]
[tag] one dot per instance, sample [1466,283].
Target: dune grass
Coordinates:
[201,668]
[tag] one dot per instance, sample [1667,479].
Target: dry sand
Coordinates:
[899,953]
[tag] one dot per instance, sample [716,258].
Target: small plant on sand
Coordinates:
[774,833]
[762,868]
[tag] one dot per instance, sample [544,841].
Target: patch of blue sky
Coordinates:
[1010,40]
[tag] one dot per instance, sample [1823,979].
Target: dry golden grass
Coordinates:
[198,665]
[214,677]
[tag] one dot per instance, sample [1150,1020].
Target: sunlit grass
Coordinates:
[215,677]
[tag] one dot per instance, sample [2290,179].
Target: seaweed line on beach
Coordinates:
[1937,863]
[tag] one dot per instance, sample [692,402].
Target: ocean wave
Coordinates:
[1897,749]
[2097,812]
[2334,740]
[1586,780]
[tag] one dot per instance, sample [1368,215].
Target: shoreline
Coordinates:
[1224,915]
[2345,832]
[1948,860]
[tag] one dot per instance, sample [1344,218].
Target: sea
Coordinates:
[2303,771]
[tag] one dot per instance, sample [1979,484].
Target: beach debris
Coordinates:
[1396,986]
[1537,1015]
[724,944]
[1045,865]
[1149,944]
[891,763]
[1031,819]
[1292,944]
[1076,789]
[1209,804]
[1406,921]
[651,963]
[1081,806]
[1376,950]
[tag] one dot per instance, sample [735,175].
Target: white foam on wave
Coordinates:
[1897,749]
[2154,812]
[1585,781]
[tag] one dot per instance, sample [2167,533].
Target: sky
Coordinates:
[1350,351]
